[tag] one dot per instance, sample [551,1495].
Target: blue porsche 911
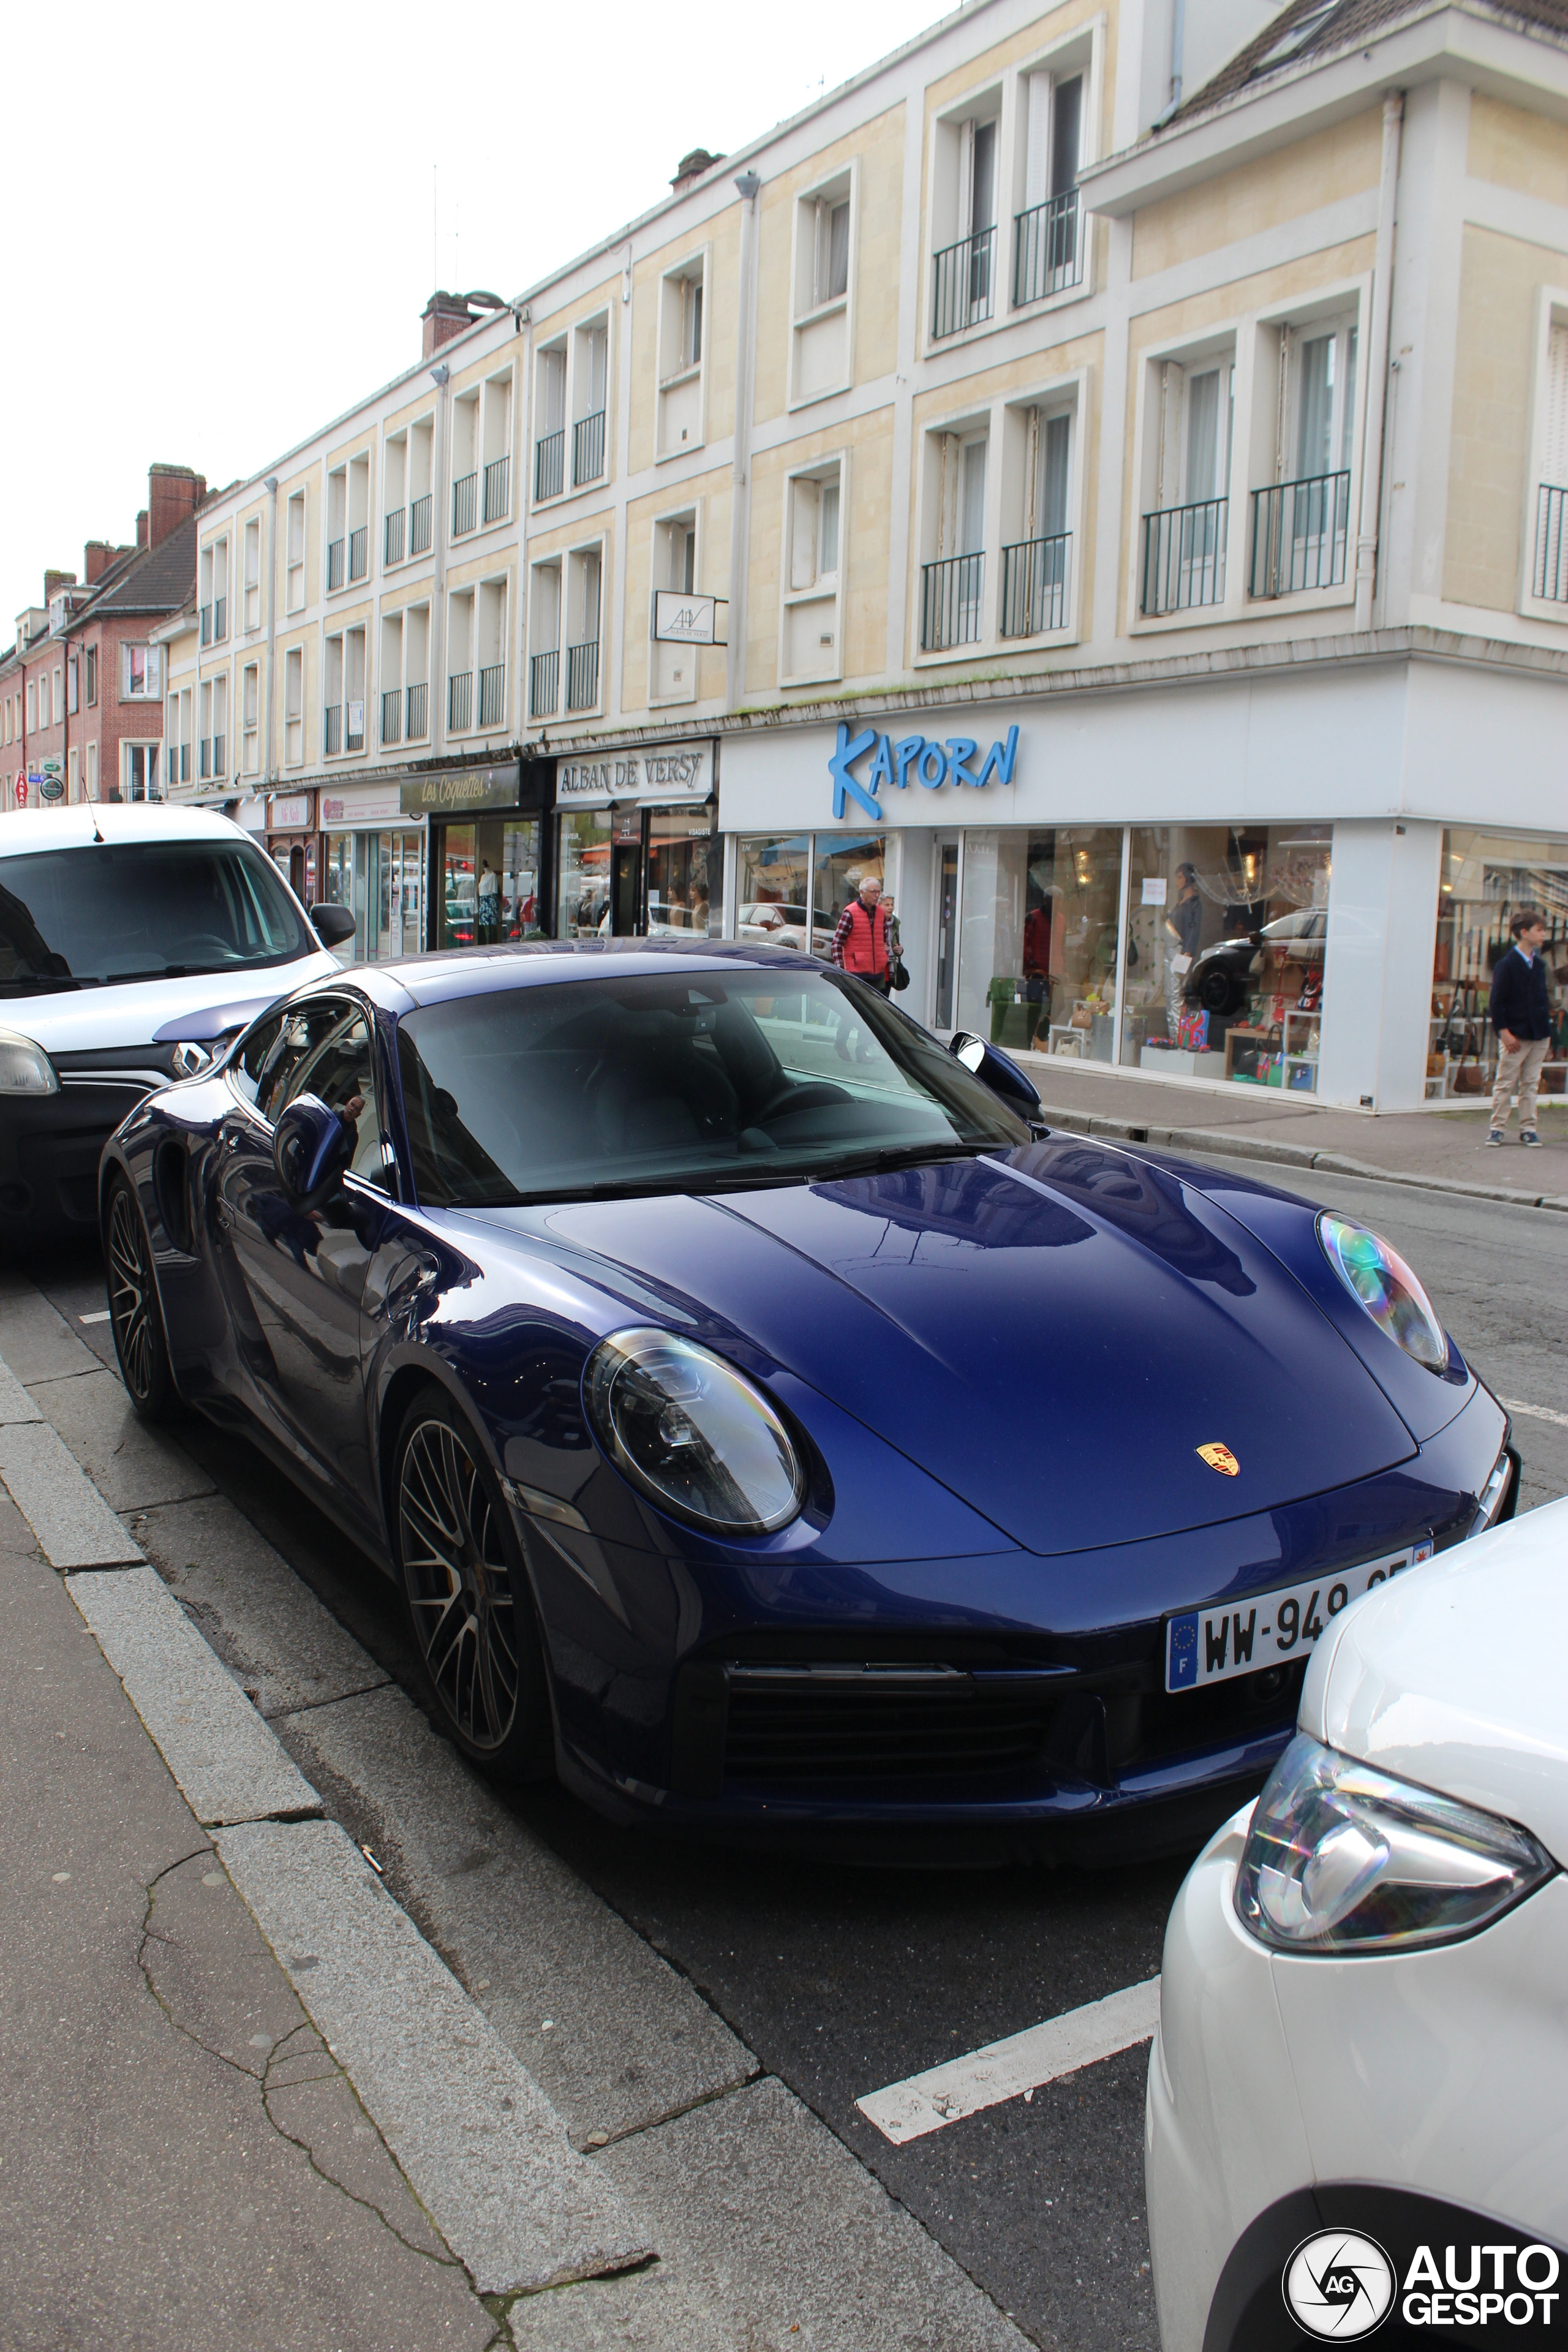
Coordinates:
[769,1425]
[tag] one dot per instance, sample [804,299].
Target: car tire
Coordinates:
[135,1310]
[1219,990]
[465,1595]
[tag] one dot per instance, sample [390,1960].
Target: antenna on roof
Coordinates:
[98,836]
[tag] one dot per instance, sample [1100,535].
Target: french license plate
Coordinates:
[1269,1628]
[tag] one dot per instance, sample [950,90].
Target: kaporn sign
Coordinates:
[927,760]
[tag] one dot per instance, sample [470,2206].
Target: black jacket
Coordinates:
[1519,996]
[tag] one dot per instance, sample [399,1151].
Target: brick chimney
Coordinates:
[444,316]
[691,167]
[142,528]
[173,493]
[96,558]
[53,582]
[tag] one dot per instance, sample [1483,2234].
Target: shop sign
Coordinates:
[359,808]
[460,791]
[291,811]
[685,620]
[930,760]
[666,771]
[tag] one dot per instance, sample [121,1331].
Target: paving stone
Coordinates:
[130,1462]
[74,1525]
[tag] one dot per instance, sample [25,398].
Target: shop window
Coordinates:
[823,223]
[772,890]
[1038,939]
[1485,876]
[812,611]
[681,848]
[583,885]
[843,862]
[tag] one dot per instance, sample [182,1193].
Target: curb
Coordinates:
[1287,1155]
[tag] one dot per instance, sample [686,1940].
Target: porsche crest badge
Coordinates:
[1221,1458]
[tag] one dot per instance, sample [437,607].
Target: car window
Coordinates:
[106,912]
[337,1064]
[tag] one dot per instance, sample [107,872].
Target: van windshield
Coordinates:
[108,911]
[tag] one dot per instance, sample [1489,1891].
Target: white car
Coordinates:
[1357,2114]
[131,938]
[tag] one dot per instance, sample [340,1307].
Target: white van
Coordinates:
[120,926]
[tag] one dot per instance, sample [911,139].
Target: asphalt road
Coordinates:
[844,1981]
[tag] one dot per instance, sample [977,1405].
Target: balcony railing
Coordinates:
[1035,585]
[543,684]
[205,762]
[550,465]
[588,449]
[1551,544]
[419,525]
[354,727]
[359,552]
[1184,556]
[334,564]
[220,619]
[391,717]
[393,536]
[207,624]
[1300,532]
[418,712]
[951,598]
[582,676]
[1047,248]
[492,695]
[963,288]
[461,702]
[465,505]
[497,489]
[331,730]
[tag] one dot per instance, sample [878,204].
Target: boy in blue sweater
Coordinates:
[1522,1015]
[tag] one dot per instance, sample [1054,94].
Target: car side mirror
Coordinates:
[332,924]
[999,1072]
[311,1150]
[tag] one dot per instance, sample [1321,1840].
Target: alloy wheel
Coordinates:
[130,1294]
[459,1581]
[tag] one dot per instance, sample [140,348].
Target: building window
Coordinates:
[819,357]
[952,583]
[253,573]
[1037,555]
[140,779]
[963,267]
[417,674]
[544,641]
[71,685]
[1048,231]
[810,648]
[675,568]
[32,707]
[490,654]
[295,597]
[680,345]
[460,662]
[250,710]
[1300,529]
[359,518]
[92,677]
[1549,567]
[59,700]
[212,592]
[1183,555]
[141,678]
[549,446]
[294,707]
[92,772]
[582,585]
[591,369]
[495,481]
[465,464]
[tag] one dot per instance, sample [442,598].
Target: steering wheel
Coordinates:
[208,943]
[817,1096]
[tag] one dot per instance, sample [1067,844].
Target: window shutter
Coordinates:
[1555,447]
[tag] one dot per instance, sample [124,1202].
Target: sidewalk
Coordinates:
[1443,1150]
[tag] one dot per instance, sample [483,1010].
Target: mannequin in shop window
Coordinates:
[1037,968]
[490,904]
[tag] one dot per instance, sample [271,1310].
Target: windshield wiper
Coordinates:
[43,982]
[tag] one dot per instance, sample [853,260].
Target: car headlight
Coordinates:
[1376,1276]
[693,1432]
[1341,1859]
[25,1068]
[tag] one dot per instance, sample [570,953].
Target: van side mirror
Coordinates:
[1000,1073]
[332,924]
[312,1148]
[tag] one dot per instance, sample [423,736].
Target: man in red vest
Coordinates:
[861,946]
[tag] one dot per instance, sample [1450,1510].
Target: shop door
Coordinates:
[626,889]
[946,959]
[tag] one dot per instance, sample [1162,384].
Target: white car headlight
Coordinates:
[1378,1278]
[693,1434]
[1341,1859]
[25,1068]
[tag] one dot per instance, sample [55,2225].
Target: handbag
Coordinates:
[901,975]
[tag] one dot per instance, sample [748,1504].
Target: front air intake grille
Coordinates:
[871,1724]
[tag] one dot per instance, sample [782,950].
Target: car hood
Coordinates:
[87,1020]
[1454,1678]
[1052,1334]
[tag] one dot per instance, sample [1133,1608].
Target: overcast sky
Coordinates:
[228,225]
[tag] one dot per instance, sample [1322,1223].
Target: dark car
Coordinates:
[1223,976]
[774,1443]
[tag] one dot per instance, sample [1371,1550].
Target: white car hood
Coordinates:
[1453,1676]
[83,1019]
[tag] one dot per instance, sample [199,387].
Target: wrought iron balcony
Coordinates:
[952,594]
[1035,585]
[220,619]
[391,717]
[393,536]
[582,676]
[588,449]
[1047,248]
[1300,534]
[963,283]
[418,713]
[550,465]
[419,515]
[1184,556]
[332,731]
[543,684]
[492,695]
[1551,577]
[359,552]
[465,505]
[334,564]
[497,489]
[460,702]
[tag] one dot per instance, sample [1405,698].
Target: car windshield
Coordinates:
[109,912]
[702,1082]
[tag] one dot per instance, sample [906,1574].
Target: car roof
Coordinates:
[479,972]
[25,832]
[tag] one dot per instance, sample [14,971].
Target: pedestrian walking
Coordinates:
[1522,1015]
[860,945]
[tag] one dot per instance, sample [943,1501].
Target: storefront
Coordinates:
[373,864]
[487,846]
[1211,887]
[636,848]
[291,843]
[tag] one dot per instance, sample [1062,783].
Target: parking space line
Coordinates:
[1002,2070]
[102,1316]
[1533,1411]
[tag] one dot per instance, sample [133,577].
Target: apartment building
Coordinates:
[1101,469]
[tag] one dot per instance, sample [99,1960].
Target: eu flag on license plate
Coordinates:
[1183,1655]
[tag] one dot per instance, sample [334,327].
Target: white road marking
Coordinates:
[100,1317]
[962,2086]
[1534,1411]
